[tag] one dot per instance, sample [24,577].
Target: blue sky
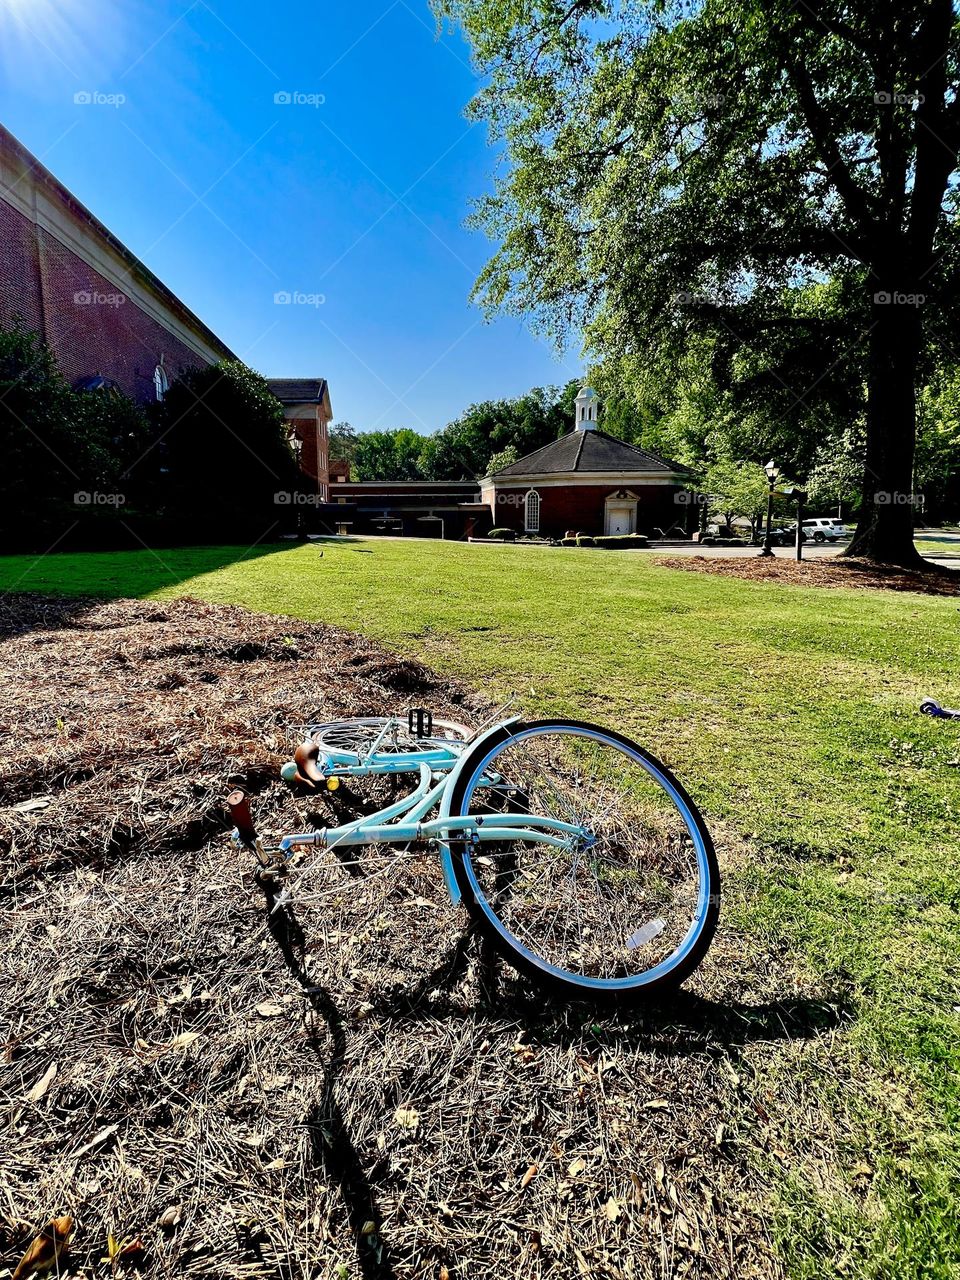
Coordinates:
[232,197]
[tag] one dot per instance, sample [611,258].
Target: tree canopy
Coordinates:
[466,447]
[687,174]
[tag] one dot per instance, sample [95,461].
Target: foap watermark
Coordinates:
[286,498]
[88,498]
[297,298]
[295,98]
[511,499]
[94,98]
[684,498]
[692,298]
[883,99]
[885,298]
[887,498]
[94,298]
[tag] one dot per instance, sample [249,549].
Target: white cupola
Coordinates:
[586,406]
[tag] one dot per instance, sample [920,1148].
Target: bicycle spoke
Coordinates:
[616,903]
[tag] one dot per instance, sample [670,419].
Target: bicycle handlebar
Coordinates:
[239,807]
[306,757]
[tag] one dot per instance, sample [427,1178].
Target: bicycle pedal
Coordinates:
[419,722]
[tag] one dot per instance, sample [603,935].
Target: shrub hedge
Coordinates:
[608,542]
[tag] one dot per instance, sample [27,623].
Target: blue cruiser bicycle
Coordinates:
[580,857]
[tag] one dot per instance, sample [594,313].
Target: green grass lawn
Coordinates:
[791,714]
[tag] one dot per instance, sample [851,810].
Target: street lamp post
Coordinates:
[772,473]
[296,447]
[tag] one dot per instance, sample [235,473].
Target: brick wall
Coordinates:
[89,323]
[582,507]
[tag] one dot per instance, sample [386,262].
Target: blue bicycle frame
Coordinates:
[406,821]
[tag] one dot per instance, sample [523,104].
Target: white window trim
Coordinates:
[530,525]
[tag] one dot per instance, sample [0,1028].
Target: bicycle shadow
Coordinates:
[684,1025]
[331,1148]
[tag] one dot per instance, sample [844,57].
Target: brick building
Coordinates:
[102,312]
[109,321]
[587,482]
[306,407]
[449,509]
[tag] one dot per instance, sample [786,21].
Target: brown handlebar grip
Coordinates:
[306,756]
[239,807]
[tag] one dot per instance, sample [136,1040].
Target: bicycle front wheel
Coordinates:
[626,906]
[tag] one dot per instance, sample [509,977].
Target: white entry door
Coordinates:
[620,520]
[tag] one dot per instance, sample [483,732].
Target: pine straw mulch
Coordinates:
[822,572]
[228,1095]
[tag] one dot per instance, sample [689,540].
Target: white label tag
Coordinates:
[646,933]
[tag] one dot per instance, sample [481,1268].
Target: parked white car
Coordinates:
[821,529]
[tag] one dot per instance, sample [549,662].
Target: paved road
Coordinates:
[931,543]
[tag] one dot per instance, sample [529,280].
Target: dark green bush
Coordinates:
[225,442]
[621,541]
[503,535]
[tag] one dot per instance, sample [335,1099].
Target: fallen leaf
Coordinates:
[184,1040]
[407,1117]
[720,1134]
[43,1084]
[97,1139]
[171,1217]
[613,1209]
[45,1250]
[529,1176]
[369,1228]
[658,1104]
[576,1167]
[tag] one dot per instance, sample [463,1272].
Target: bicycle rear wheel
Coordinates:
[349,741]
[625,909]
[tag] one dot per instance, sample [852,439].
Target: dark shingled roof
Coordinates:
[586,451]
[298,390]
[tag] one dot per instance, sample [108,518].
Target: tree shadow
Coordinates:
[55,590]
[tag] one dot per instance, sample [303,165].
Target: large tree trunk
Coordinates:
[885,528]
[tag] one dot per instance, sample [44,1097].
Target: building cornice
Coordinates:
[32,190]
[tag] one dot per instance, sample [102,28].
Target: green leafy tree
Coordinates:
[464,448]
[737,488]
[43,460]
[388,455]
[937,466]
[674,168]
[502,458]
[343,442]
[835,478]
[223,440]
[59,445]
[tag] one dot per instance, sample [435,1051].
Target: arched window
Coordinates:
[531,512]
[160,383]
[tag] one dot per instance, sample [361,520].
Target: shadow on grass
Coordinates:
[51,592]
